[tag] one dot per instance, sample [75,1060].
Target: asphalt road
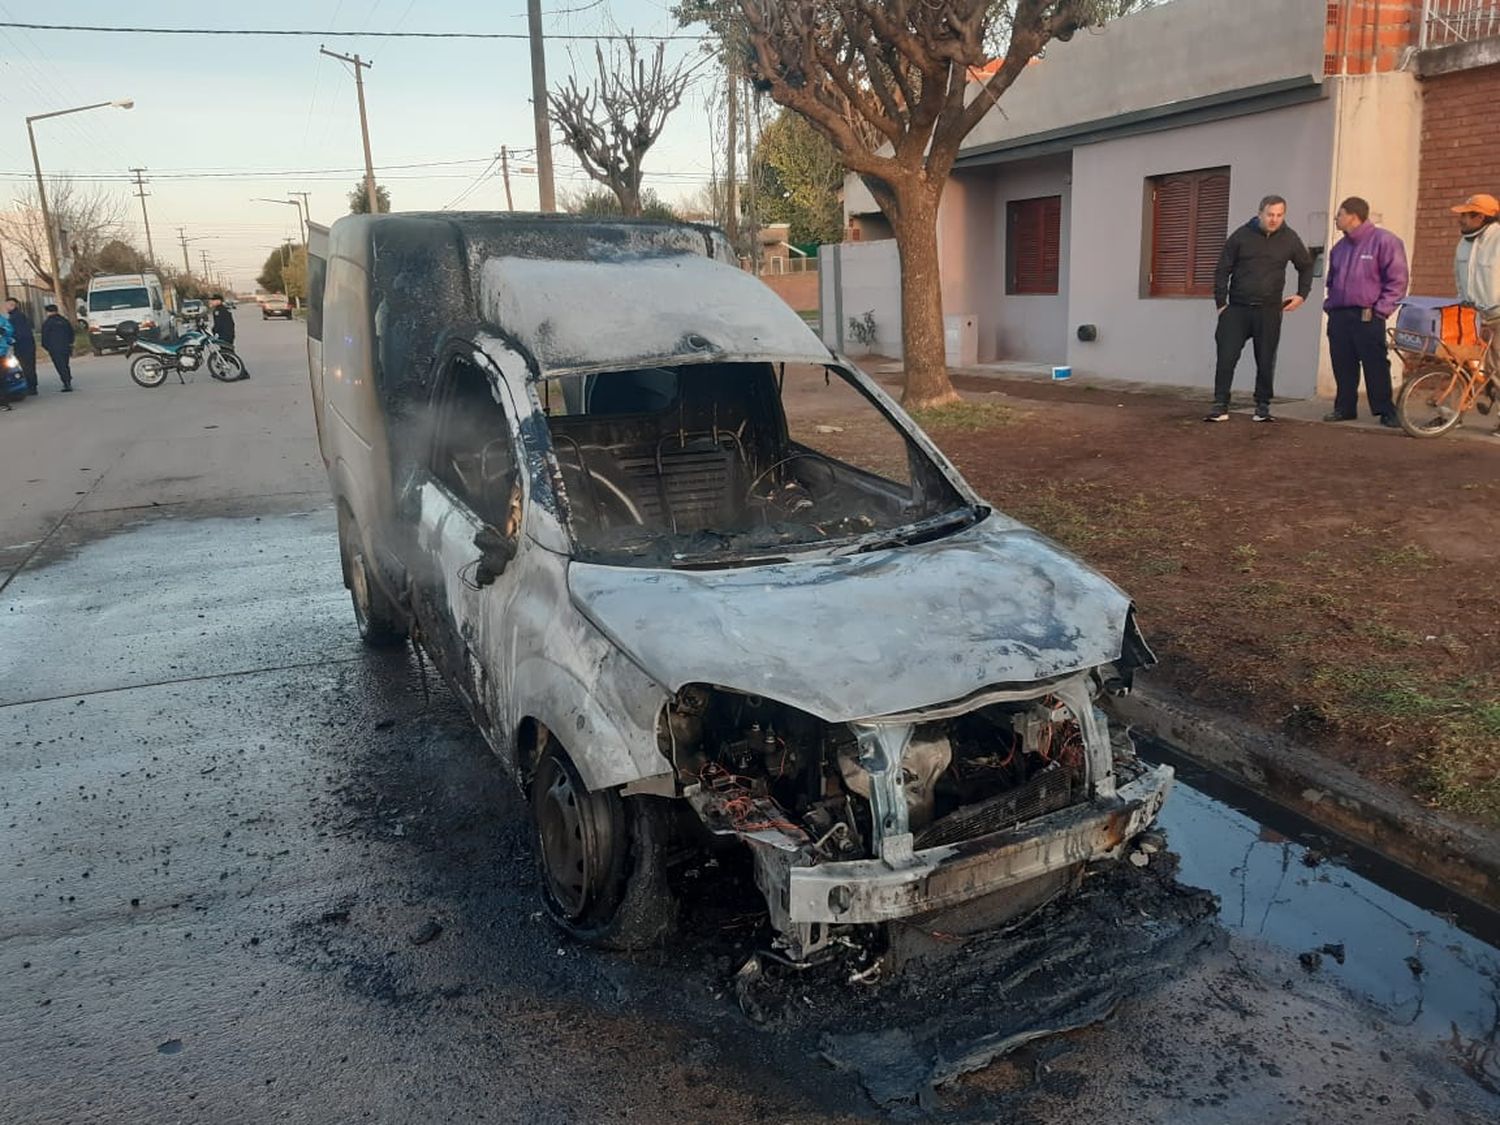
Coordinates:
[255,873]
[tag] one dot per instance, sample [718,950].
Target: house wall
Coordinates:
[799,290]
[1458,159]
[1170,340]
[972,251]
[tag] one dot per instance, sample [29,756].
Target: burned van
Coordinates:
[701,582]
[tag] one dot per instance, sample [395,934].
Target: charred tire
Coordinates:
[381,623]
[601,859]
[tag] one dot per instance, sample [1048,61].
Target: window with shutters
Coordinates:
[1032,245]
[1189,214]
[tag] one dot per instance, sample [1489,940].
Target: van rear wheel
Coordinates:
[602,859]
[381,623]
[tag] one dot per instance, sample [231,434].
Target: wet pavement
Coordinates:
[254,873]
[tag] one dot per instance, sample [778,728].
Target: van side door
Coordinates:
[466,503]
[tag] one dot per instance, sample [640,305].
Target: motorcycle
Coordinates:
[154,361]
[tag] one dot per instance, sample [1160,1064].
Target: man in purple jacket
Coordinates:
[1367,279]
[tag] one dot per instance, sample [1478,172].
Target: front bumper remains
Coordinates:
[872,890]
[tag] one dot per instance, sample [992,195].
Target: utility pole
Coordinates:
[360,65]
[505,175]
[207,273]
[731,181]
[548,201]
[187,266]
[140,191]
[4,277]
[752,219]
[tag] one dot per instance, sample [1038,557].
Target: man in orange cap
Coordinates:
[1476,270]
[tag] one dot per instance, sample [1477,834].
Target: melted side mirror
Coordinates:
[496,550]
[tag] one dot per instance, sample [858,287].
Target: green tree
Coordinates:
[118,256]
[800,175]
[359,201]
[603,203]
[280,273]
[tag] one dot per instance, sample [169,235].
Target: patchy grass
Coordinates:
[1409,556]
[967,416]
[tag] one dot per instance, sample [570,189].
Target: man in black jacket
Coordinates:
[57,338]
[1249,288]
[223,328]
[25,345]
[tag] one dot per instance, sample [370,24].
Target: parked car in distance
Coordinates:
[275,305]
[593,472]
[193,309]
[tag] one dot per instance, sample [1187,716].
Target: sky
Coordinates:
[221,120]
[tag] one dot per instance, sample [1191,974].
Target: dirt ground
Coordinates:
[1339,586]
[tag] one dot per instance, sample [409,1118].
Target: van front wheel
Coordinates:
[602,859]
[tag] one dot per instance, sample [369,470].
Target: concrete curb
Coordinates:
[1462,857]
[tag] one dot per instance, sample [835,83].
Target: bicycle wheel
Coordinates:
[1432,402]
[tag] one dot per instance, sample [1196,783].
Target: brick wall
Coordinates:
[800,290]
[1458,158]
[1369,35]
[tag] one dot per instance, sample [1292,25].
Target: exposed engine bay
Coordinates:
[802,792]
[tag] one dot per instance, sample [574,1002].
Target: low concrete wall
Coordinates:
[860,277]
[800,290]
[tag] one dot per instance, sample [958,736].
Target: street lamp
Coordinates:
[41,190]
[302,222]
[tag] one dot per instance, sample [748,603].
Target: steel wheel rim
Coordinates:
[152,371]
[1437,394]
[566,856]
[359,586]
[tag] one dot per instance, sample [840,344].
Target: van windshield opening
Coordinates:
[111,300]
[736,463]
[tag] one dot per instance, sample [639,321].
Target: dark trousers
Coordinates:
[1260,326]
[63,361]
[28,367]
[1354,342]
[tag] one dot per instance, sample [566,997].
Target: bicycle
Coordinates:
[1443,383]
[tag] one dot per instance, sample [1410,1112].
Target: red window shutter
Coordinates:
[1189,221]
[1034,245]
[1212,229]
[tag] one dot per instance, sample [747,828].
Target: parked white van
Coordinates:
[116,298]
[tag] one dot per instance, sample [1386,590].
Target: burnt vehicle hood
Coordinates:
[865,635]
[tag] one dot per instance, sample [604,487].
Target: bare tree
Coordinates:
[889,83]
[88,218]
[611,126]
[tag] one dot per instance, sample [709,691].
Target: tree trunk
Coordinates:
[731,181]
[914,218]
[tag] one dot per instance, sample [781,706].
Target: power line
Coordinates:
[298,32]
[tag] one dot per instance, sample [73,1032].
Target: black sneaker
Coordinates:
[1335,416]
[1390,422]
[67,387]
[1217,414]
[1262,414]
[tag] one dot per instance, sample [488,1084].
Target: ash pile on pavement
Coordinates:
[934,1018]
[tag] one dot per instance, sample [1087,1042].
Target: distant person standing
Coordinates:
[223,328]
[24,345]
[1367,278]
[57,340]
[1249,284]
